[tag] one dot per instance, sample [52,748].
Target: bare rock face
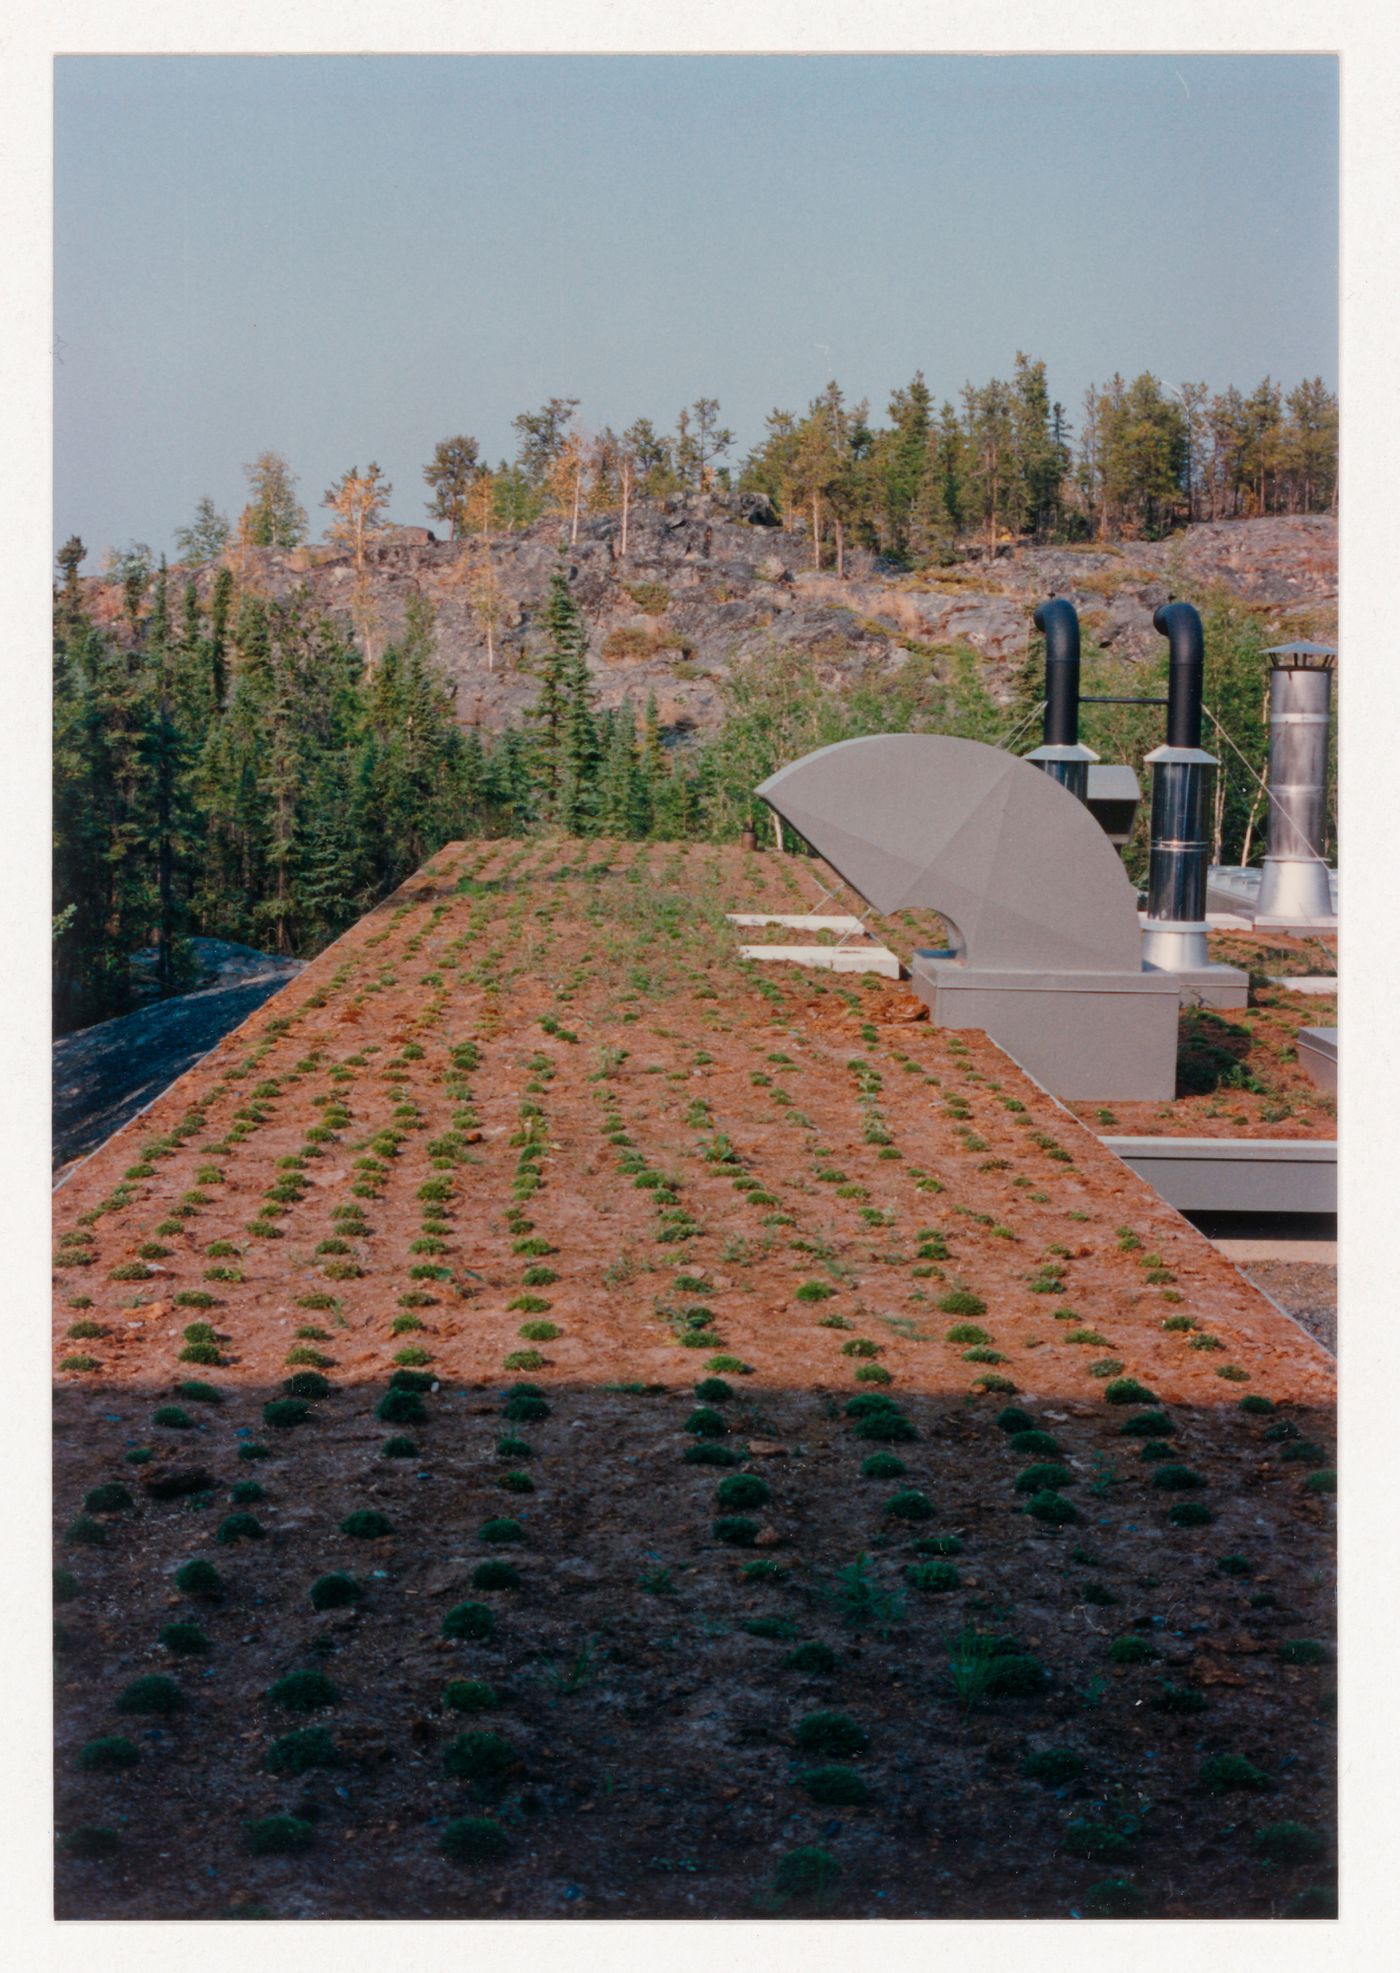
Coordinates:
[708,581]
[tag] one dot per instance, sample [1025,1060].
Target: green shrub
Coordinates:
[239,1527]
[65,1586]
[810,1872]
[479,1757]
[1097,1840]
[838,1787]
[1287,1842]
[401,1408]
[496,1575]
[469,1695]
[1170,1698]
[1131,1650]
[309,1384]
[1013,1419]
[909,1504]
[303,1692]
[1053,1766]
[873,1373]
[832,1734]
[206,1353]
[1190,1514]
[153,1694]
[89,1841]
[199,1578]
[500,1528]
[815,1658]
[966,1332]
[474,1839]
[298,1752]
[1176,1479]
[1323,1481]
[184,1639]
[707,1453]
[814,1291]
[1127,1390]
[172,1418]
[110,1498]
[1035,1442]
[1317,1901]
[522,1405]
[366,1524]
[1115,1897]
[1224,1772]
[706,1423]
[279,1836]
[737,1530]
[1043,1477]
[932,1577]
[1052,1508]
[1256,1402]
[335,1592]
[990,1381]
[468,1622]
[283,1413]
[196,1393]
[1305,1651]
[939,1545]
[250,1449]
[882,1466]
[742,1490]
[962,1301]
[106,1755]
[1148,1425]
[887,1427]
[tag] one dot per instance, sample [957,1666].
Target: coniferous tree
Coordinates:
[450,474]
[206,536]
[274,517]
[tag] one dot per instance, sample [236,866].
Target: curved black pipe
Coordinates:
[1181,626]
[1059,620]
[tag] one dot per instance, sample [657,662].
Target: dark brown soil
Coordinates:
[653,1767]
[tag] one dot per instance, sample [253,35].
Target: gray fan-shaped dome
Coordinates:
[1003,854]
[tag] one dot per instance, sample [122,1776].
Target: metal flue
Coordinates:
[1182,772]
[1295,885]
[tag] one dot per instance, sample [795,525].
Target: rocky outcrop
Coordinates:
[709,581]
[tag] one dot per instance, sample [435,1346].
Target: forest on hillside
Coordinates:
[236,765]
[1007,463]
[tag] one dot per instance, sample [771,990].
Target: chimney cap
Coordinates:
[1319,657]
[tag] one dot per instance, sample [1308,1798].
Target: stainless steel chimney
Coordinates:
[1174,939]
[1295,885]
[1060,755]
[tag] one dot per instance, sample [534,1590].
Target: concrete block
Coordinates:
[1317,1055]
[830,958]
[1235,1174]
[1106,1036]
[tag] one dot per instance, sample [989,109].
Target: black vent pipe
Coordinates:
[1060,754]
[1174,938]
[1181,626]
[1059,620]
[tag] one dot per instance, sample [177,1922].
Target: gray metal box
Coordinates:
[1108,1036]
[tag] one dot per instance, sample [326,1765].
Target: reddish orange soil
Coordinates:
[808,1161]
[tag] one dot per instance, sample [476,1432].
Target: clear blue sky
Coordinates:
[348,258]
